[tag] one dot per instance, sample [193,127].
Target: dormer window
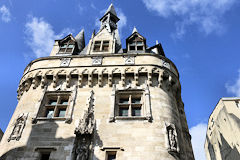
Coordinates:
[136,46]
[67,48]
[101,46]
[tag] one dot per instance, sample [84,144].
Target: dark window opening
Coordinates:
[45,156]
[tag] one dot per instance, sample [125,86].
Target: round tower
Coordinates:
[99,101]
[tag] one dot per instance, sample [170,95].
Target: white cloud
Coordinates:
[235,88]
[40,36]
[205,14]
[123,19]
[198,134]
[5,14]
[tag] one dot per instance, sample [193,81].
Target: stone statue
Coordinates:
[84,132]
[82,150]
[172,139]
[18,127]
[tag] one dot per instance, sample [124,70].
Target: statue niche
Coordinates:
[172,138]
[84,133]
[18,127]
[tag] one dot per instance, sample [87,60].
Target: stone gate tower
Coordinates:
[99,102]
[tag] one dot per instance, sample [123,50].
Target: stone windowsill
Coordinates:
[130,118]
[51,119]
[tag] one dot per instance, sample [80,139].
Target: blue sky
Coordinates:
[200,36]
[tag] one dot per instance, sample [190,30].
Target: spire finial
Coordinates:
[134,30]
[157,42]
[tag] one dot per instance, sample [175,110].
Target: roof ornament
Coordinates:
[134,30]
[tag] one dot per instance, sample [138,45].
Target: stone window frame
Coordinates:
[111,150]
[58,96]
[101,46]
[129,97]
[44,150]
[146,113]
[69,111]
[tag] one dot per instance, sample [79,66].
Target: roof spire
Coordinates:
[80,40]
[134,30]
[157,42]
[111,9]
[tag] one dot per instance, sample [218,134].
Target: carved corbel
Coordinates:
[55,80]
[43,81]
[137,79]
[150,79]
[123,79]
[100,82]
[110,80]
[68,80]
[80,80]
[90,80]
[160,79]
[35,82]
[27,84]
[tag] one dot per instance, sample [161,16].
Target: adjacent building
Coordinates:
[222,139]
[99,102]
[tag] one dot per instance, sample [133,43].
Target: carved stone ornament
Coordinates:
[129,60]
[166,64]
[18,127]
[97,61]
[65,62]
[84,133]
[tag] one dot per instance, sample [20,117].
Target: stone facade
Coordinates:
[222,140]
[99,102]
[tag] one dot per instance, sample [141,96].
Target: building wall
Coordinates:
[222,140]
[139,139]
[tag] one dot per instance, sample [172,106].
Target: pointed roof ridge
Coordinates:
[134,30]
[111,9]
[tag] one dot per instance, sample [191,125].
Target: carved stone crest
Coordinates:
[129,60]
[18,127]
[65,62]
[97,61]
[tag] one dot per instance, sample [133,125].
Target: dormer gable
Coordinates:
[67,46]
[102,42]
[136,42]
